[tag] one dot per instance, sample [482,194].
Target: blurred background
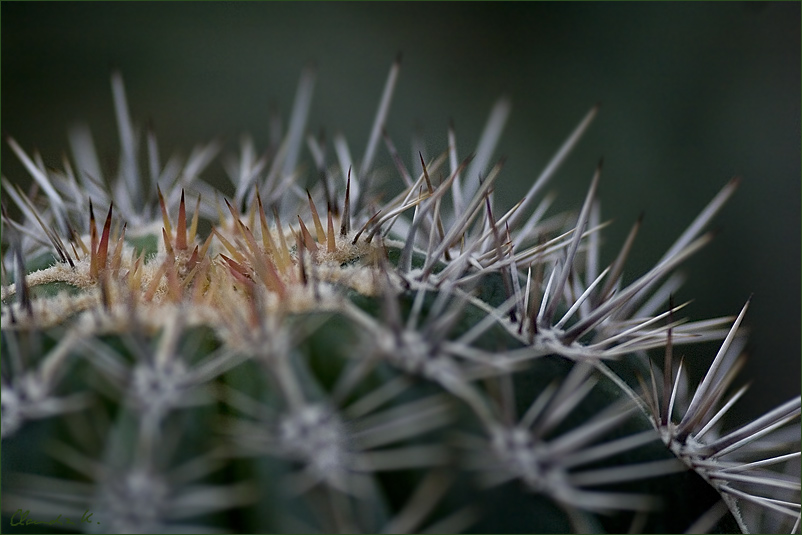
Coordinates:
[692,94]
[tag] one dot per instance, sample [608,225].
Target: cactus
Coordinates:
[365,354]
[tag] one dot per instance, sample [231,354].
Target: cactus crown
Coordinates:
[337,358]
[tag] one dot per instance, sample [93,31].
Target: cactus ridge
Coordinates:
[423,363]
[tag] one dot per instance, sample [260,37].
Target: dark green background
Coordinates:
[692,94]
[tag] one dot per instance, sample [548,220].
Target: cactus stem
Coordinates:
[419,337]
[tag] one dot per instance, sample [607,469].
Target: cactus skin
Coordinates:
[426,363]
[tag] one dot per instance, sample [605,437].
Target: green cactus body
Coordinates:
[426,362]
